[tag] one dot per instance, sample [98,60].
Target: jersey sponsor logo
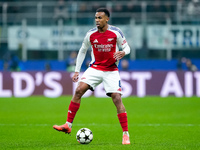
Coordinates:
[95,41]
[103,47]
[110,39]
[83,78]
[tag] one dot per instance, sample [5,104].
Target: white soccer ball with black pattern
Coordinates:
[84,136]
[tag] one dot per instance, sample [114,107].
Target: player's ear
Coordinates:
[107,19]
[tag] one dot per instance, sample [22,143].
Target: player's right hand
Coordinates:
[75,77]
[119,55]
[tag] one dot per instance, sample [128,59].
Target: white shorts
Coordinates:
[111,80]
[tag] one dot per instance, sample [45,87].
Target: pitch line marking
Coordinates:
[95,124]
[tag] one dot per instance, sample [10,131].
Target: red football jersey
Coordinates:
[104,45]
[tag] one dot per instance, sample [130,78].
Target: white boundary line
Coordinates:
[95,124]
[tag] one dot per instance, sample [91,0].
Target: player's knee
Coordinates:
[79,92]
[116,97]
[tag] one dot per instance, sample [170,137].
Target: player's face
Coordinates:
[101,20]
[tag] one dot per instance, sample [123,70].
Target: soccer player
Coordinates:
[104,40]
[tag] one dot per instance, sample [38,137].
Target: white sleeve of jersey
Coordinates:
[121,40]
[82,53]
[126,49]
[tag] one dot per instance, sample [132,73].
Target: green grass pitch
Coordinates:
[155,123]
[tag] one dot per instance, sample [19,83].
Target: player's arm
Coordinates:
[80,58]
[120,54]
[79,61]
[124,45]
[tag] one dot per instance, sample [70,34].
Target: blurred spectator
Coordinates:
[154,7]
[86,63]
[83,8]
[168,7]
[11,62]
[71,62]
[61,11]
[6,66]
[191,7]
[179,64]
[14,63]
[95,6]
[118,8]
[193,11]
[47,66]
[190,66]
[131,7]
[124,65]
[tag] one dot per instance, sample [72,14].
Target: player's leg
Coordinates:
[80,90]
[89,80]
[73,107]
[112,87]
[116,97]
[75,102]
[122,116]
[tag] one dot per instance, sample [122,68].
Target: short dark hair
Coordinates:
[105,10]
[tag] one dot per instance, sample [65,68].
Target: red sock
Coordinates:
[73,108]
[123,121]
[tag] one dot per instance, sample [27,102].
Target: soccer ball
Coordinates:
[84,136]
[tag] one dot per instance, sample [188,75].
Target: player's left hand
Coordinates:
[75,77]
[119,55]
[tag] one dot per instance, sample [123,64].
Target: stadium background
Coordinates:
[43,36]
[35,45]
